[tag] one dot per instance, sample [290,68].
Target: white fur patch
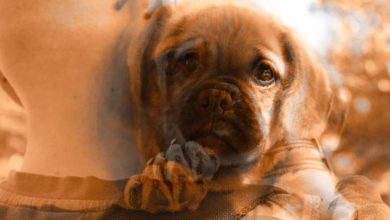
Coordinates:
[293,106]
[281,67]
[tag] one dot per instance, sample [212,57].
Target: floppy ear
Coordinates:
[338,112]
[143,38]
[308,102]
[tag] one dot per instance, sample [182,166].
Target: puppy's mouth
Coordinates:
[224,140]
[210,140]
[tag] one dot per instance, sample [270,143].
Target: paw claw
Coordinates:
[133,193]
[172,181]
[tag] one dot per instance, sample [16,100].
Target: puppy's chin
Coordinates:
[214,143]
[234,169]
[233,164]
[229,157]
[233,177]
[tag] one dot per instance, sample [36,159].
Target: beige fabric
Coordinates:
[29,196]
[76,193]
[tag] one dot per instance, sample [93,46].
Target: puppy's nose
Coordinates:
[215,100]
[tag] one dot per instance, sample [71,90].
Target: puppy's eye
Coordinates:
[170,68]
[264,74]
[190,62]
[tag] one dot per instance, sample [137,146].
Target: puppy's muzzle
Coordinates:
[217,98]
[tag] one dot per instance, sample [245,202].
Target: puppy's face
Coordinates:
[230,79]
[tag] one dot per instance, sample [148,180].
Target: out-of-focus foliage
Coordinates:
[361,53]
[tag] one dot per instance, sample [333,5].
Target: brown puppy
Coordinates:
[239,97]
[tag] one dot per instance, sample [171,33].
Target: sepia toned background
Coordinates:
[352,38]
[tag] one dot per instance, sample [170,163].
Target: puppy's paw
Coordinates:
[173,181]
[193,156]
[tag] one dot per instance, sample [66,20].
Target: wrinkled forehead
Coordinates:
[188,6]
[222,21]
[227,28]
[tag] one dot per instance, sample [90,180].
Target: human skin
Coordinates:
[62,60]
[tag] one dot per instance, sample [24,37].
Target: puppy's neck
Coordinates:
[300,168]
[292,156]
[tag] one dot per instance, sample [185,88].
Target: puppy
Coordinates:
[226,98]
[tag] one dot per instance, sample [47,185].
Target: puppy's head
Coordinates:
[229,77]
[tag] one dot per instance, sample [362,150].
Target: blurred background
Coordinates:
[352,39]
